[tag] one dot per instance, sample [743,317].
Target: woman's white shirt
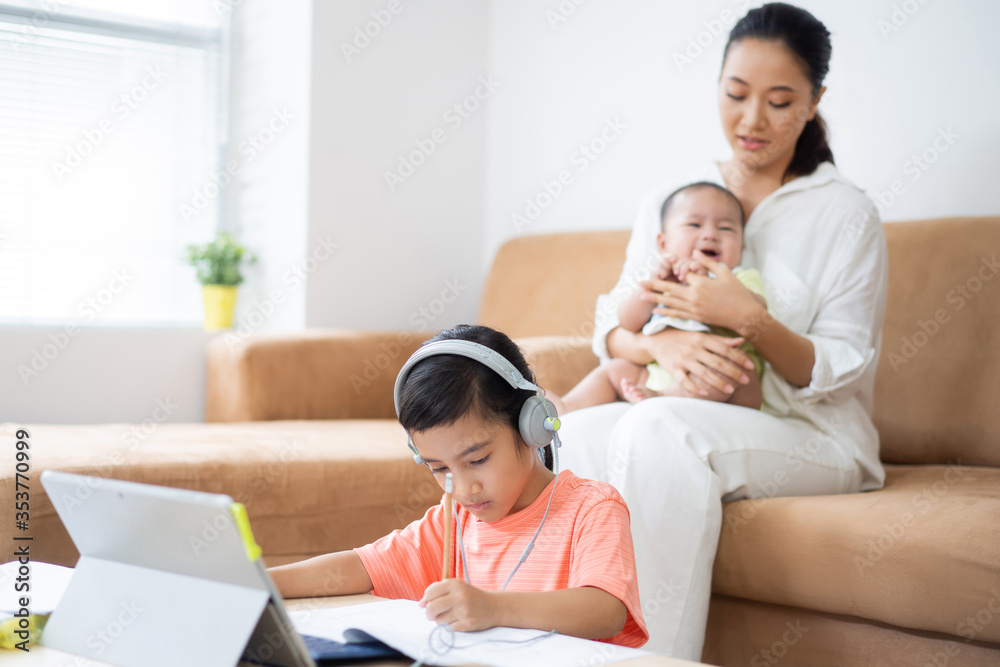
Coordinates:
[818,244]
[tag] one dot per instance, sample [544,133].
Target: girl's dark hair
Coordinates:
[441,389]
[809,40]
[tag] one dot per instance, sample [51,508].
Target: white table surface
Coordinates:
[41,656]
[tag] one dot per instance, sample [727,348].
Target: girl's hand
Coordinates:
[722,301]
[703,364]
[463,607]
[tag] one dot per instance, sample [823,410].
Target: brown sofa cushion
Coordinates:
[309,487]
[547,284]
[744,632]
[939,371]
[923,552]
[341,374]
[558,362]
[313,374]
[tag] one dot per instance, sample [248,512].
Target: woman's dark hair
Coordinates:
[442,388]
[809,41]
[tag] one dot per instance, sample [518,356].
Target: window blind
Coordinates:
[110,125]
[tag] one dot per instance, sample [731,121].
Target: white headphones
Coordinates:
[538,421]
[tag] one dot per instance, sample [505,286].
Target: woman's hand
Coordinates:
[723,301]
[703,364]
[461,606]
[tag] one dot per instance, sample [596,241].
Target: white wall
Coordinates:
[414,244]
[269,141]
[888,96]
[96,375]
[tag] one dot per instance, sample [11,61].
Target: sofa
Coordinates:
[300,429]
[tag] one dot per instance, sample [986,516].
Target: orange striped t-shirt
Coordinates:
[586,541]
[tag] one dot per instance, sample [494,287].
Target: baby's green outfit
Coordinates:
[659,379]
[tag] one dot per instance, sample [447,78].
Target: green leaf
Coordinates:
[219,262]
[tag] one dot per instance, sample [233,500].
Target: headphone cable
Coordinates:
[527,550]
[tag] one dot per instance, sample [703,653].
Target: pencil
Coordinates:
[446,556]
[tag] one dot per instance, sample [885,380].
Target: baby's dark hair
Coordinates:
[441,389]
[665,209]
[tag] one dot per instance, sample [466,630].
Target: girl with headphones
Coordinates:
[534,549]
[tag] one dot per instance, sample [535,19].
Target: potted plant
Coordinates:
[218,265]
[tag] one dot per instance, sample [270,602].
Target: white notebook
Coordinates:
[403,625]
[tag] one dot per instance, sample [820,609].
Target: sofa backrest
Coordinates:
[937,389]
[556,296]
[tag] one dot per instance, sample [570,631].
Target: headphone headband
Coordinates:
[463,348]
[537,421]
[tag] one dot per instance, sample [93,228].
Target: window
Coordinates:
[112,122]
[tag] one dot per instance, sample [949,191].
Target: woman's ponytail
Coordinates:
[811,148]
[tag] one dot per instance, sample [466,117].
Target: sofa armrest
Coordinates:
[559,362]
[316,374]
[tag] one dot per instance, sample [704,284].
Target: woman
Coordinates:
[817,241]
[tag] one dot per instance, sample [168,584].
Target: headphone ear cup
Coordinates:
[531,421]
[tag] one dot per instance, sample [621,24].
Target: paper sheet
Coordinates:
[47,583]
[403,625]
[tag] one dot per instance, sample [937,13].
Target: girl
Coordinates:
[465,418]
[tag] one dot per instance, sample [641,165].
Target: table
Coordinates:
[41,656]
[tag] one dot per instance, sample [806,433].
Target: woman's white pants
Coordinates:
[675,460]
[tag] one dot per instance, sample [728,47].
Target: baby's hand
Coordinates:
[684,267]
[666,269]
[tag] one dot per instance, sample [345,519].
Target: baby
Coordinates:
[701,216]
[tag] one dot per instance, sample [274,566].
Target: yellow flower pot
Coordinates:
[220,301]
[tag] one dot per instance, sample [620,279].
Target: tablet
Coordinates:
[165,577]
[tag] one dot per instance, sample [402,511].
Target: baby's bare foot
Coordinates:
[633,393]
